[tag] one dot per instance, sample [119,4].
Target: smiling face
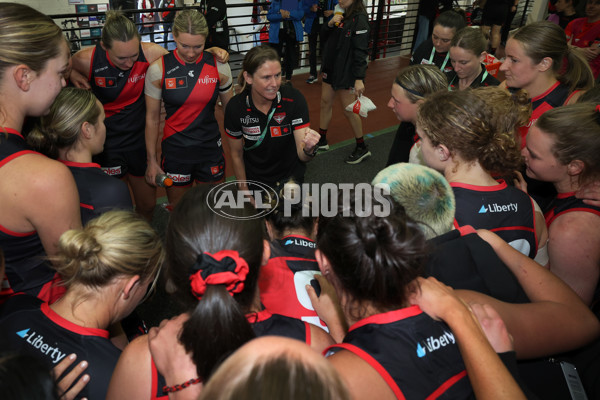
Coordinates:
[401,105]
[190,47]
[519,69]
[465,63]
[46,84]
[265,81]
[124,54]
[441,37]
[539,159]
[592,10]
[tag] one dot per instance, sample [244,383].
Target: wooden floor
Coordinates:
[380,75]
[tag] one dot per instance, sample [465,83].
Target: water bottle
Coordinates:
[163,180]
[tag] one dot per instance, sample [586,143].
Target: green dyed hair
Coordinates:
[424,193]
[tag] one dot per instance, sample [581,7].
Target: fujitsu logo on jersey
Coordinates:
[36,340]
[136,78]
[207,80]
[248,119]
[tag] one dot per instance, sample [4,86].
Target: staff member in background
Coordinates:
[316,14]
[285,31]
[215,12]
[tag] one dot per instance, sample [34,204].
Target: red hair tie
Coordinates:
[225,267]
[598,107]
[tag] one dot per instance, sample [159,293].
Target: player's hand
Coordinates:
[63,383]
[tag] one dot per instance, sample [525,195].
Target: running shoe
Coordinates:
[322,145]
[312,79]
[358,155]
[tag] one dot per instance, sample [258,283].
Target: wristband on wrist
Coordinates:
[177,388]
[311,154]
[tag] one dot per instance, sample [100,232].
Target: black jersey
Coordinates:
[26,269]
[189,92]
[276,158]
[98,192]
[282,280]
[484,79]
[122,95]
[416,356]
[34,328]
[264,323]
[567,202]
[426,54]
[503,209]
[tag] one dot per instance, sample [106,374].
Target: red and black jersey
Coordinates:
[276,158]
[567,202]
[282,280]
[24,255]
[190,92]
[122,95]
[502,209]
[484,79]
[98,192]
[416,356]
[32,327]
[554,97]
[264,323]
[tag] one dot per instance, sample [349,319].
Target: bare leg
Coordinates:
[348,97]
[144,196]
[327,97]
[174,193]
[495,36]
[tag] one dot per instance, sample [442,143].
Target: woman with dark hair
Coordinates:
[373,263]
[268,124]
[467,52]
[344,70]
[469,136]
[562,148]
[213,268]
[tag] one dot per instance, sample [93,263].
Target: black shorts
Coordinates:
[327,78]
[495,14]
[120,163]
[184,173]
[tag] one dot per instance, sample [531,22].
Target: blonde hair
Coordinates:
[190,21]
[419,81]
[118,27]
[466,122]
[27,37]
[114,244]
[61,127]
[470,39]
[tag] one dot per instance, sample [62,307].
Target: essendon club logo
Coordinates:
[279,117]
[277,131]
[176,83]
[105,82]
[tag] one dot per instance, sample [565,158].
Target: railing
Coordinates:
[393,25]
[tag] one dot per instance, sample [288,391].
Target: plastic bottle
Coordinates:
[163,180]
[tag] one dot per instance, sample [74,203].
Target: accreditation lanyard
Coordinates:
[264,132]
[445,60]
[485,74]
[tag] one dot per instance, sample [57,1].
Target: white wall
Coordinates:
[55,6]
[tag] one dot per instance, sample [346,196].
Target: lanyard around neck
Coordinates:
[485,74]
[445,60]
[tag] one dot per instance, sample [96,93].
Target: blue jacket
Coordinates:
[310,16]
[275,18]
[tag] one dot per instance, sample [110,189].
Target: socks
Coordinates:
[360,142]
[323,133]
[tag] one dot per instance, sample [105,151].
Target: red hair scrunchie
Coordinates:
[225,267]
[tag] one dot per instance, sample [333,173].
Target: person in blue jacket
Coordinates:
[316,13]
[285,30]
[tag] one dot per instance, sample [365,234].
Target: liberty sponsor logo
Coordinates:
[36,340]
[180,178]
[496,208]
[176,83]
[112,171]
[279,117]
[301,242]
[136,78]
[105,81]
[249,120]
[432,344]
[207,80]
